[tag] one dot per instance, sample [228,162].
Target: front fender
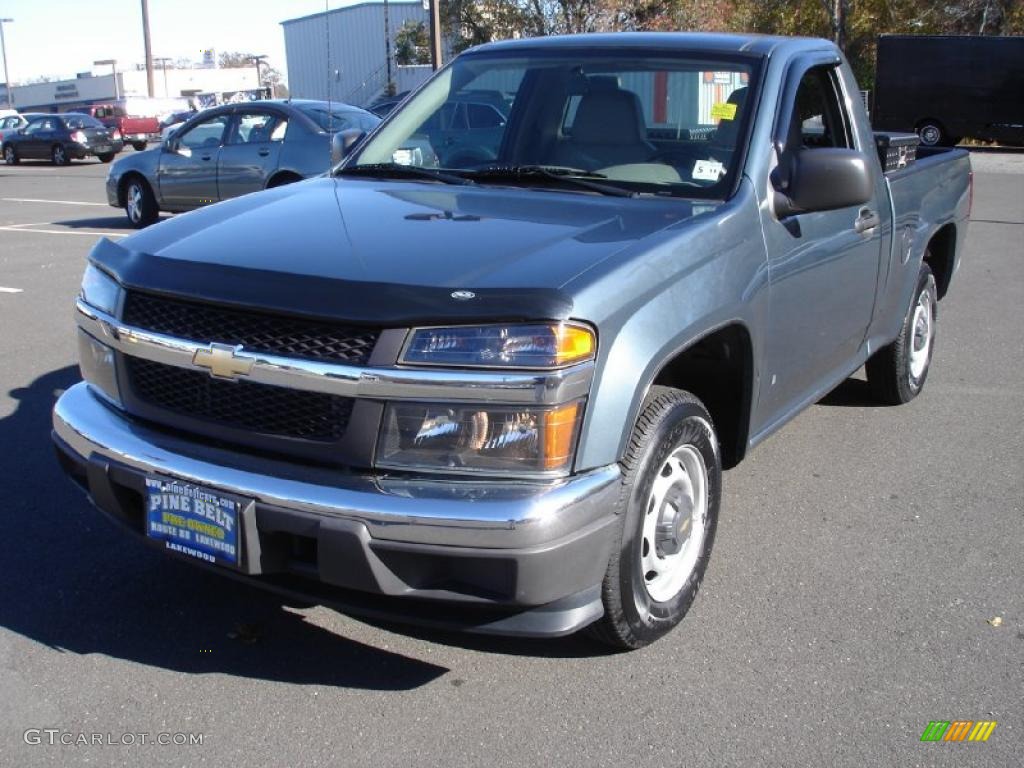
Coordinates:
[701,276]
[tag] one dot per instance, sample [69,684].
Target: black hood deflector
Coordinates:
[367,303]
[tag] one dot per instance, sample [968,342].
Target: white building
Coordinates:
[341,54]
[207,85]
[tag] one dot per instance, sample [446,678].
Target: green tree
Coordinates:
[412,43]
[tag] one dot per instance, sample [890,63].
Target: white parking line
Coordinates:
[56,202]
[91,232]
[10,290]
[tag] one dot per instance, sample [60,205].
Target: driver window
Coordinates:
[205,135]
[818,114]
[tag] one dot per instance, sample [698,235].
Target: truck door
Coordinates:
[251,153]
[188,165]
[823,266]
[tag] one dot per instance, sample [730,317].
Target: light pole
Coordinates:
[257,60]
[162,61]
[7,76]
[148,47]
[112,63]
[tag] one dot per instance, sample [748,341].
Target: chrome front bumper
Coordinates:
[533,545]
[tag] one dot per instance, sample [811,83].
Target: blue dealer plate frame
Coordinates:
[194,521]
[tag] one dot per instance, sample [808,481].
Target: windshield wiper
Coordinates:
[396,171]
[572,177]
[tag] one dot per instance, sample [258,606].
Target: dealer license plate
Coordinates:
[193,521]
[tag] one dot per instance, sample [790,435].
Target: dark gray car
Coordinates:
[229,151]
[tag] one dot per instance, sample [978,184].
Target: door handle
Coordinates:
[264,152]
[207,157]
[866,221]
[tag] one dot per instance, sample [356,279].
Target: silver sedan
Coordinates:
[229,151]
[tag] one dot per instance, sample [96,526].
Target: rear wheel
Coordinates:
[139,203]
[106,157]
[671,492]
[139,145]
[59,155]
[897,372]
[10,155]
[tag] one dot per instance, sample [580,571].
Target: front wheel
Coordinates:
[59,155]
[139,204]
[106,157]
[897,373]
[139,145]
[671,493]
[10,155]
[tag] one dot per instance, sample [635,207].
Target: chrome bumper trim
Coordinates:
[458,513]
[539,388]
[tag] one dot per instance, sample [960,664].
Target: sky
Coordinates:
[59,38]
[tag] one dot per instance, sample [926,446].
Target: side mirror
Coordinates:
[826,179]
[343,142]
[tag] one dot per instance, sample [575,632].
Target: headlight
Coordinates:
[473,438]
[537,345]
[96,361]
[100,290]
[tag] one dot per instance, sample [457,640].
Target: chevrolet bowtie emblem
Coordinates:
[223,361]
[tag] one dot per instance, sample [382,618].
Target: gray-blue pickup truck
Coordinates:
[486,375]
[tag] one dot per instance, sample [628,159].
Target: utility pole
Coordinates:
[435,34]
[389,88]
[7,75]
[149,47]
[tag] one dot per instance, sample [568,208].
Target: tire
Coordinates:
[11,155]
[672,454]
[106,157]
[897,373]
[59,155]
[140,205]
[932,133]
[139,146]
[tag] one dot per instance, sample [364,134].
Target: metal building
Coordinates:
[354,38]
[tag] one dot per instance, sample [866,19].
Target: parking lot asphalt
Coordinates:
[862,558]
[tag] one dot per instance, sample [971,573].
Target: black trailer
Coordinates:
[948,87]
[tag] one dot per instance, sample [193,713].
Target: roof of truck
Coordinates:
[758,45]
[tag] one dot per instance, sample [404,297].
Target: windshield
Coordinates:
[81,121]
[655,124]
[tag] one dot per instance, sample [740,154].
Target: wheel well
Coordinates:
[940,256]
[283,177]
[719,369]
[122,185]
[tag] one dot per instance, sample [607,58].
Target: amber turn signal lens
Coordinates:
[575,343]
[559,435]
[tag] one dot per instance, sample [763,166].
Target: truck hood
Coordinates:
[391,250]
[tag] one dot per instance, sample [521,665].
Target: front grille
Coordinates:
[256,331]
[240,404]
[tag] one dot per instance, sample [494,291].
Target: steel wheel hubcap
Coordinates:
[134,202]
[921,341]
[930,134]
[675,523]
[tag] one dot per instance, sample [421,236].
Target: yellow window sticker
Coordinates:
[723,110]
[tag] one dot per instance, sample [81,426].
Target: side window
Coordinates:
[484,116]
[206,134]
[279,130]
[38,125]
[818,113]
[252,128]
